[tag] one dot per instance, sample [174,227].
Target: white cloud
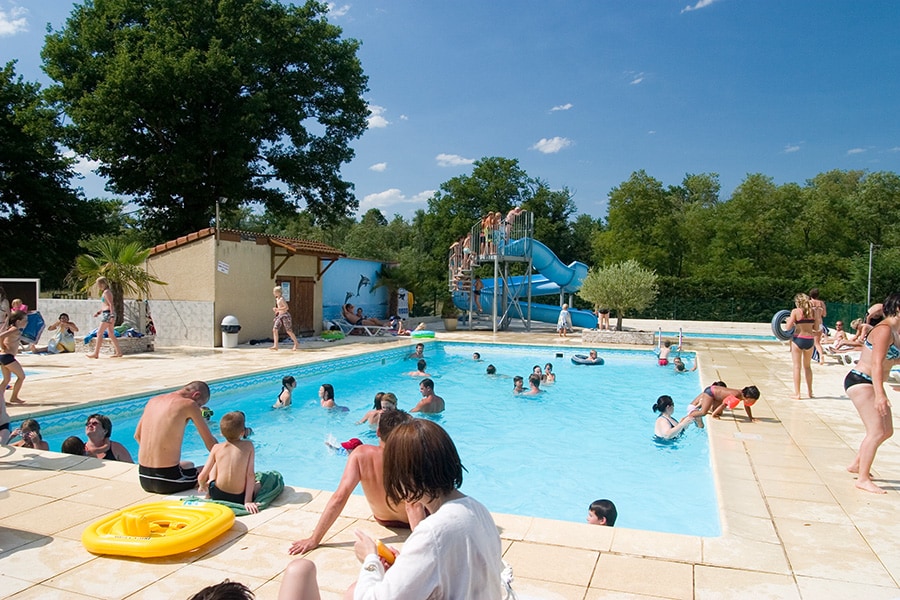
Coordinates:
[376,118]
[378,167]
[791,148]
[13,21]
[895,149]
[452,160]
[393,197]
[636,79]
[700,4]
[565,106]
[855,151]
[404,118]
[82,166]
[651,132]
[552,145]
[334,11]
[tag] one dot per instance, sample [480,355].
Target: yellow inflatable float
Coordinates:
[158,529]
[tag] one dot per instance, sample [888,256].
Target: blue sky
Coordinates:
[583,93]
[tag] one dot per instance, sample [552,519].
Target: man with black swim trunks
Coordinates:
[160,433]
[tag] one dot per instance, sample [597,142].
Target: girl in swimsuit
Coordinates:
[865,387]
[806,324]
[9,346]
[107,314]
[667,426]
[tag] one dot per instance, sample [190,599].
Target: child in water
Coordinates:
[602,512]
[287,387]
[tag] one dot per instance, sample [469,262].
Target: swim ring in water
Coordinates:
[583,359]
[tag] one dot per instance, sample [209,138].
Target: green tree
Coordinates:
[622,286]
[184,103]
[553,211]
[41,216]
[121,262]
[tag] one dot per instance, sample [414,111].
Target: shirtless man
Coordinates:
[429,402]
[419,352]
[160,433]
[365,465]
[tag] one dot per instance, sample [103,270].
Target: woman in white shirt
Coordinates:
[454,554]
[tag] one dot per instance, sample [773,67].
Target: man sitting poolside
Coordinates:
[365,465]
[160,434]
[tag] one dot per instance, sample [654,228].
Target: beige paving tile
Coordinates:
[189,580]
[815,492]
[250,555]
[60,485]
[552,563]
[546,590]
[826,550]
[823,512]
[42,559]
[646,576]
[596,594]
[714,583]
[750,528]
[10,586]
[13,475]
[112,578]
[685,548]
[292,525]
[54,516]
[743,497]
[114,495]
[45,592]
[103,469]
[295,497]
[745,554]
[512,527]
[17,502]
[577,535]
[812,588]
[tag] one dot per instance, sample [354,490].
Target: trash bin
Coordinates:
[230,329]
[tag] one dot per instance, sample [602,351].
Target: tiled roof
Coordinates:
[294,245]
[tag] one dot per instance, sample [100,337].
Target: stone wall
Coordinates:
[641,338]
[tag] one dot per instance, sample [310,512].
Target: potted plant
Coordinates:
[450,314]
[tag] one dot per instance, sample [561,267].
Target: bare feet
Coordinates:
[91,356]
[295,348]
[274,348]
[11,401]
[120,355]
[868,486]
[795,397]
[854,468]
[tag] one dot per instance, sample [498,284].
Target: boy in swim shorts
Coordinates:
[233,463]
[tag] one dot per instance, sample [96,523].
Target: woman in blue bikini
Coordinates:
[865,387]
[806,323]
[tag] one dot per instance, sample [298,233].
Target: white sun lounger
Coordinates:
[371,330]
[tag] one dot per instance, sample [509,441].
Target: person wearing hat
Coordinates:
[344,447]
[365,465]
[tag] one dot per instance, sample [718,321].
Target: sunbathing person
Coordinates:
[349,314]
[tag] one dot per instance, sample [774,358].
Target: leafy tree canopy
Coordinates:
[184,103]
[41,216]
[622,286]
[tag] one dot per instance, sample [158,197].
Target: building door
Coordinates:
[300,295]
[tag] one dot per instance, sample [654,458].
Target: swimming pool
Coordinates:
[588,437]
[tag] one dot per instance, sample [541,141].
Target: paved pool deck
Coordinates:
[794,525]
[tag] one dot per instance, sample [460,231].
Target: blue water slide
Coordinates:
[554,276]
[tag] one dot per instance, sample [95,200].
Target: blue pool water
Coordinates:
[589,436]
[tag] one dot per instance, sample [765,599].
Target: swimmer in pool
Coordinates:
[287,387]
[602,512]
[420,369]
[326,397]
[664,353]
[518,385]
[681,367]
[667,426]
[534,385]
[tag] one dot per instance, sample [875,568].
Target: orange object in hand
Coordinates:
[384,553]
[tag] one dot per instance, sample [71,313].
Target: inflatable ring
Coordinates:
[332,335]
[158,529]
[584,359]
[778,325]
[422,333]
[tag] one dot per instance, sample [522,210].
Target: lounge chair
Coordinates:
[348,328]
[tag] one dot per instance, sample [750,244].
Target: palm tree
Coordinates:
[121,262]
[393,279]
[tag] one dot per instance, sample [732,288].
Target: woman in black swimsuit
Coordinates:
[667,426]
[98,428]
[806,323]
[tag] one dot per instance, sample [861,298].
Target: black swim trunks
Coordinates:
[217,494]
[7,359]
[167,480]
